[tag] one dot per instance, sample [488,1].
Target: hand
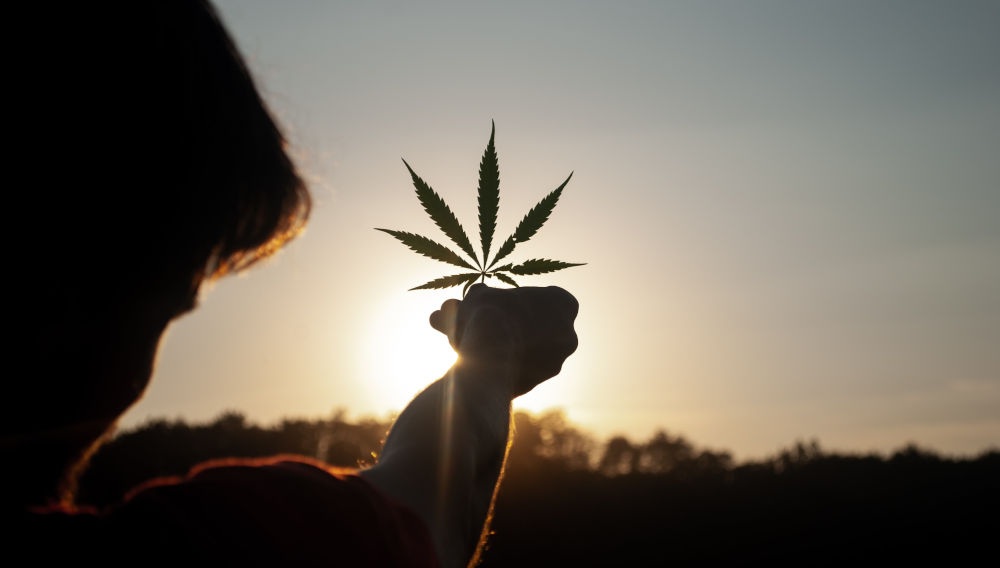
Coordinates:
[529,329]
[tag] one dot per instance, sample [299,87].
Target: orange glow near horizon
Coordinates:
[783,241]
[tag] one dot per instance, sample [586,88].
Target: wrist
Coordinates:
[493,378]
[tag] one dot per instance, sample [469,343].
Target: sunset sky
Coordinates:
[789,211]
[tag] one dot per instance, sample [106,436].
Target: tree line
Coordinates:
[567,500]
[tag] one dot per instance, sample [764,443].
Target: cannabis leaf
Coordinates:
[489,194]
[489,205]
[441,214]
[427,247]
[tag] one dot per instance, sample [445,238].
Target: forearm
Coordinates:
[445,454]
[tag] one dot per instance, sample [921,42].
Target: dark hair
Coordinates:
[223,188]
[159,167]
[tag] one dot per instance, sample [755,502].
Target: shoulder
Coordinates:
[281,510]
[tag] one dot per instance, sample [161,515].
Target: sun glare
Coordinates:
[403,352]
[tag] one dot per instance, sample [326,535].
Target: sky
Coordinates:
[789,211]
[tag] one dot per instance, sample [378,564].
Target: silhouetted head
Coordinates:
[156,166]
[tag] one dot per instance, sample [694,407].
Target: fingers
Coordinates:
[476,289]
[444,319]
[538,320]
[488,335]
[568,303]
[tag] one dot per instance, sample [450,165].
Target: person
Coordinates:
[160,170]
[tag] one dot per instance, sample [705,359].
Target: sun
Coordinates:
[403,353]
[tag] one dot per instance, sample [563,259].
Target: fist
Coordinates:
[528,330]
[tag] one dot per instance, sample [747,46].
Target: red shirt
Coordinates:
[281,511]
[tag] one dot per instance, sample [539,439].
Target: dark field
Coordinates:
[568,500]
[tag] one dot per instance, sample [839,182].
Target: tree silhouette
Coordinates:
[565,500]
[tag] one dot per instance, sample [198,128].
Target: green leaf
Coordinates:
[539,214]
[448,281]
[532,222]
[427,247]
[441,214]
[488,208]
[506,279]
[540,266]
[489,195]
[506,248]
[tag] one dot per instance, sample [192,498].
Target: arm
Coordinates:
[443,458]
[444,455]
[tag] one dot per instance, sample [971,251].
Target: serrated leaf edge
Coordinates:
[439,212]
[535,266]
[488,193]
[447,281]
[506,279]
[437,251]
[532,222]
